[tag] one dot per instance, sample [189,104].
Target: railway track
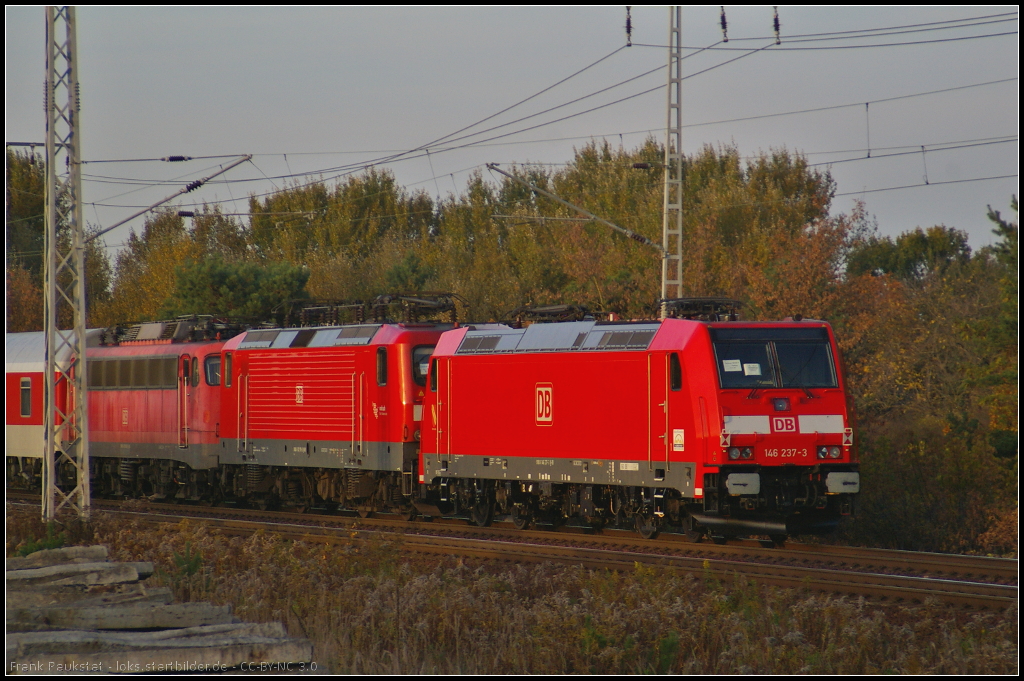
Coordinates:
[901,576]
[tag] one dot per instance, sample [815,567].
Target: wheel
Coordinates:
[364,511]
[645,525]
[521,517]
[410,513]
[692,530]
[779,540]
[481,514]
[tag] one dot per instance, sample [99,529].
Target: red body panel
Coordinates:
[184,414]
[13,399]
[612,406]
[326,393]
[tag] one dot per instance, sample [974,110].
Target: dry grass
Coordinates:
[373,610]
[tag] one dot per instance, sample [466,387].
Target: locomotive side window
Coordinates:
[95,371]
[211,367]
[26,397]
[124,373]
[139,377]
[382,366]
[227,369]
[433,375]
[109,373]
[195,371]
[675,372]
[170,372]
[420,362]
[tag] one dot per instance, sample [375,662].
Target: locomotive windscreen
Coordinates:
[774,357]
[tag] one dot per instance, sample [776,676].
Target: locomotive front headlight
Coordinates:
[734,453]
[822,452]
[834,452]
[747,452]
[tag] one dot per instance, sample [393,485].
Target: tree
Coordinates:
[26,220]
[244,290]
[26,228]
[913,255]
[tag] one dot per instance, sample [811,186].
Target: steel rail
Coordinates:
[899,588]
[847,559]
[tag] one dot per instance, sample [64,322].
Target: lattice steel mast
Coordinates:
[672,213]
[66,408]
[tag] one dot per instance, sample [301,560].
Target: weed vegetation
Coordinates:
[374,609]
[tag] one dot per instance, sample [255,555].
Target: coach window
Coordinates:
[26,397]
[227,369]
[433,375]
[675,372]
[382,366]
[211,366]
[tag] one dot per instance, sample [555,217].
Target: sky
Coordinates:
[322,92]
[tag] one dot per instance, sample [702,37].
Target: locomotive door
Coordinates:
[380,433]
[184,399]
[659,441]
[443,421]
[242,432]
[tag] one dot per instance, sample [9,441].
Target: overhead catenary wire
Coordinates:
[784,48]
[938,25]
[444,146]
[648,131]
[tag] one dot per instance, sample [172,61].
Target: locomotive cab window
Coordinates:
[382,366]
[433,375]
[421,362]
[774,358]
[211,367]
[26,397]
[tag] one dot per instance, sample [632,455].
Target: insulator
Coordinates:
[193,185]
[186,214]
[775,22]
[725,26]
[642,166]
[176,159]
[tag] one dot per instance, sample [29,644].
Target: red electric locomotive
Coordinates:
[727,428]
[154,408]
[327,414]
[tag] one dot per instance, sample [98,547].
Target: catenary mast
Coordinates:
[66,425]
[672,213]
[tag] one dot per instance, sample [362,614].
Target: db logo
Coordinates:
[783,424]
[542,404]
